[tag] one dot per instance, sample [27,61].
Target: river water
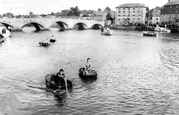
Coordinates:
[136,75]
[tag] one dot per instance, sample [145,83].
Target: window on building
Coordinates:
[119,15]
[133,15]
[156,18]
[133,8]
[123,15]
[134,11]
[119,12]
[138,18]
[123,8]
[123,11]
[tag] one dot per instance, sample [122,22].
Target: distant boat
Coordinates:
[2,40]
[105,31]
[5,33]
[45,44]
[161,29]
[149,33]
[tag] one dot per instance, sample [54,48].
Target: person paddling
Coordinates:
[46,41]
[102,29]
[52,37]
[88,66]
[61,76]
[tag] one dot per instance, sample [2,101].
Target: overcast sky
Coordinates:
[48,6]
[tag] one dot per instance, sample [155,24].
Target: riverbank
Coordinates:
[123,27]
[133,27]
[142,27]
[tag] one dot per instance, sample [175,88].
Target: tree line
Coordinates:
[73,11]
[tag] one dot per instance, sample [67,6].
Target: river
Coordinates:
[136,75]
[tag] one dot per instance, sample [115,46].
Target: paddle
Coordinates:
[66,89]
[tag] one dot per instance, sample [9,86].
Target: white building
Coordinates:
[156,15]
[130,13]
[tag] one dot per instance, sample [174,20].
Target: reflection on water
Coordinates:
[136,75]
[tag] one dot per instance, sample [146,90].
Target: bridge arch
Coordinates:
[7,25]
[62,25]
[80,26]
[96,26]
[35,24]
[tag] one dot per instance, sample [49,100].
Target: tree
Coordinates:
[58,14]
[99,10]
[9,15]
[31,14]
[74,11]
[52,13]
[65,12]
[107,9]
[84,12]
[90,11]
[85,15]
[18,16]
[43,15]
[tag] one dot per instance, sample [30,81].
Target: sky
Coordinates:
[47,6]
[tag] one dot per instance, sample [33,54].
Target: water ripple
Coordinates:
[136,75]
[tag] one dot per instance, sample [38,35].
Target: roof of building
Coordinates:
[172,3]
[130,5]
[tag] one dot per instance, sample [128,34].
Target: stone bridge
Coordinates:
[46,23]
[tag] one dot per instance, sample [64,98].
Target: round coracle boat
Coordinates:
[106,31]
[52,40]
[92,74]
[50,84]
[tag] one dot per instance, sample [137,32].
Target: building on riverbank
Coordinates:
[130,13]
[170,15]
[156,15]
[170,12]
[100,15]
